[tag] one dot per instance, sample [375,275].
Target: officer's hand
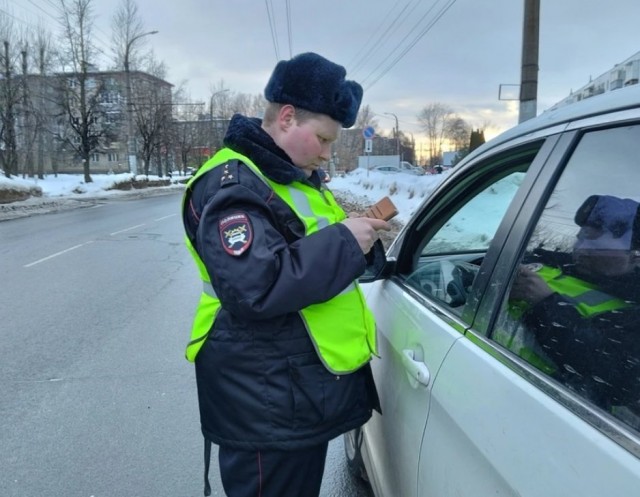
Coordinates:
[529,286]
[365,230]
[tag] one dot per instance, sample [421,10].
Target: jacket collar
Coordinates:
[246,136]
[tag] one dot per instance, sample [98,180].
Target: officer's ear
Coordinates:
[286,117]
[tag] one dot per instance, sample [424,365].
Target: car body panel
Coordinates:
[404,401]
[480,407]
[489,423]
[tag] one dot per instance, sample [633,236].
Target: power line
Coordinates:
[386,34]
[406,50]
[9,14]
[288,7]
[274,34]
[58,13]
[374,32]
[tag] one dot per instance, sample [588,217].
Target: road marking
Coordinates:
[165,217]
[126,229]
[57,254]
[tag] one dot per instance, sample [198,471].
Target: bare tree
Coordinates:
[80,106]
[127,26]
[9,100]
[257,105]
[458,133]
[10,94]
[366,117]
[434,120]
[42,57]
[152,113]
[152,116]
[27,118]
[128,38]
[188,132]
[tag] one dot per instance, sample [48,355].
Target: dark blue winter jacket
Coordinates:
[260,382]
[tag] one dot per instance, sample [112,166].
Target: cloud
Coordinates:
[460,60]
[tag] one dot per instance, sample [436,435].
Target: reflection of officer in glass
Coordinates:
[585,315]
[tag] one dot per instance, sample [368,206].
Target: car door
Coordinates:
[423,310]
[512,416]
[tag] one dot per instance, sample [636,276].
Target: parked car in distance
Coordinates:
[396,170]
[387,169]
[484,389]
[411,169]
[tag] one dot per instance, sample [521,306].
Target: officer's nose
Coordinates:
[325,153]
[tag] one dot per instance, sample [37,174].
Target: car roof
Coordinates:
[614,100]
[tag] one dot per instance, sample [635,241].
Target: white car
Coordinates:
[477,397]
[395,170]
[387,169]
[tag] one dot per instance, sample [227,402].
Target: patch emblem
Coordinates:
[236,233]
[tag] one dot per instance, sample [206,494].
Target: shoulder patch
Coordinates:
[229,173]
[236,233]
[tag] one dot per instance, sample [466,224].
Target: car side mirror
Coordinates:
[378,266]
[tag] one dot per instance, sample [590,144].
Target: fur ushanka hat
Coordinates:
[311,82]
[608,223]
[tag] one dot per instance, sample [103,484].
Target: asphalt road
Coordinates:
[96,398]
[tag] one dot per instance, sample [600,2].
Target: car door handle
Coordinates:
[417,369]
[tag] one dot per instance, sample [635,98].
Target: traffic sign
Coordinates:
[368,132]
[368,145]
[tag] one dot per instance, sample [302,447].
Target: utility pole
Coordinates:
[397,136]
[529,74]
[131,140]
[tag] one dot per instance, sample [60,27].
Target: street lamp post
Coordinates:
[211,115]
[131,141]
[397,136]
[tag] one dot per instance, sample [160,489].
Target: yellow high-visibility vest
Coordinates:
[343,328]
[586,299]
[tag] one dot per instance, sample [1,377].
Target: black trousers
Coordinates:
[272,473]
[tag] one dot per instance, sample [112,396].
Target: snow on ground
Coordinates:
[361,188]
[407,191]
[69,191]
[67,185]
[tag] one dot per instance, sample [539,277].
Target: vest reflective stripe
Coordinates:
[342,329]
[586,298]
[582,295]
[303,206]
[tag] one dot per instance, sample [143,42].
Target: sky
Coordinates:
[406,54]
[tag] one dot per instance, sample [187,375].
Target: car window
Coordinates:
[472,227]
[447,258]
[572,309]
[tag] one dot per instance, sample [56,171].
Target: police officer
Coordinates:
[282,336]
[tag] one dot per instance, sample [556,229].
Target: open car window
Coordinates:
[454,240]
